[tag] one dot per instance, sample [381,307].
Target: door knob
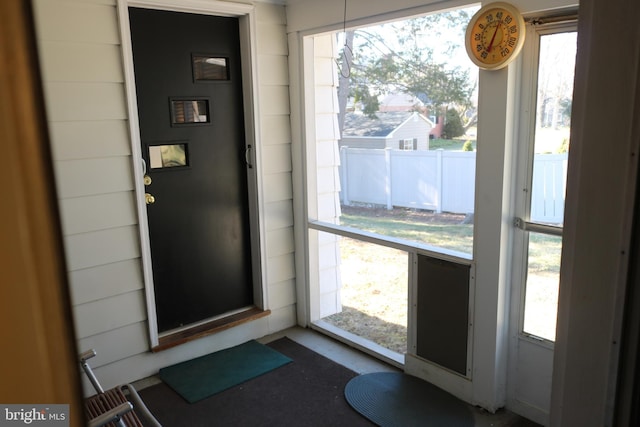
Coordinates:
[147,180]
[149,199]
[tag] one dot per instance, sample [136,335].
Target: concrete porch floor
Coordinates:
[362,363]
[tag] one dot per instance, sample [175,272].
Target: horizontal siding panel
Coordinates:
[274,100]
[276,158]
[277,187]
[280,242]
[76,21]
[110,313]
[327,127]
[276,130]
[324,71]
[282,294]
[282,318]
[270,14]
[278,215]
[89,139]
[102,247]
[323,46]
[77,178]
[328,179]
[273,70]
[117,344]
[272,39]
[328,153]
[81,62]
[281,268]
[93,213]
[92,284]
[326,101]
[85,101]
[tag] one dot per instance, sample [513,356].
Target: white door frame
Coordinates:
[246,15]
[530,372]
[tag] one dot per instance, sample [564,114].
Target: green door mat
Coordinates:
[205,376]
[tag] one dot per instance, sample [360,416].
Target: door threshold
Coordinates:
[208,328]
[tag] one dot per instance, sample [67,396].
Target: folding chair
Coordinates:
[119,407]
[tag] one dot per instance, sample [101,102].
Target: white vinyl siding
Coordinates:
[82,68]
[326,160]
[81,65]
[275,128]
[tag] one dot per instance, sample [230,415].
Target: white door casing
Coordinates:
[246,15]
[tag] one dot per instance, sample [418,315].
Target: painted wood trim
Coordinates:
[40,362]
[138,173]
[213,7]
[209,328]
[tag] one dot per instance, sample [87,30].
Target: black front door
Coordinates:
[189,92]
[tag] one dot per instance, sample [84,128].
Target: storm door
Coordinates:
[189,96]
[549,65]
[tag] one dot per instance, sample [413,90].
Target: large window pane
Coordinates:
[543,279]
[408,102]
[374,293]
[553,120]
[556,68]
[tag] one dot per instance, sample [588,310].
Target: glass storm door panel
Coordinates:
[556,63]
[546,94]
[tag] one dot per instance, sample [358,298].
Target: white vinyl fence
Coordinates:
[440,181]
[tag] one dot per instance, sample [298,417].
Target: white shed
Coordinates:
[399,130]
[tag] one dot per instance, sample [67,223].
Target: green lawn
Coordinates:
[458,237]
[544,250]
[449,144]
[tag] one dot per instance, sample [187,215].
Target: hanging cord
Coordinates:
[346,51]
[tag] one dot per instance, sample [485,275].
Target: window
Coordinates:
[548,166]
[409,144]
[373,205]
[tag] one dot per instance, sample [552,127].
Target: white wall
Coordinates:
[82,68]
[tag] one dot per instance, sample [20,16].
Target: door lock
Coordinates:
[147,180]
[149,199]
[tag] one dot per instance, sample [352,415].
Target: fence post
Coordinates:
[387,178]
[439,172]
[344,182]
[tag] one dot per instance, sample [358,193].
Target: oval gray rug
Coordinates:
[397,399]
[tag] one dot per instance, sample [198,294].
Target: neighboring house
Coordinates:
[399,130]
[407,102]
[401,102]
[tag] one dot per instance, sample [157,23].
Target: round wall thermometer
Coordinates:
[495,36]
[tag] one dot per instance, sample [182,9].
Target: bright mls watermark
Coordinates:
[37,415]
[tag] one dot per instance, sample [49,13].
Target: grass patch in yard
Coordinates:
[374,293]
[449,144]
[413,225]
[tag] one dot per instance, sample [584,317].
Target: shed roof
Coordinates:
[381,125]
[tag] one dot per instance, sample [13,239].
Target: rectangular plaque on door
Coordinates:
[168,156]
[190,111]
[210,68]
